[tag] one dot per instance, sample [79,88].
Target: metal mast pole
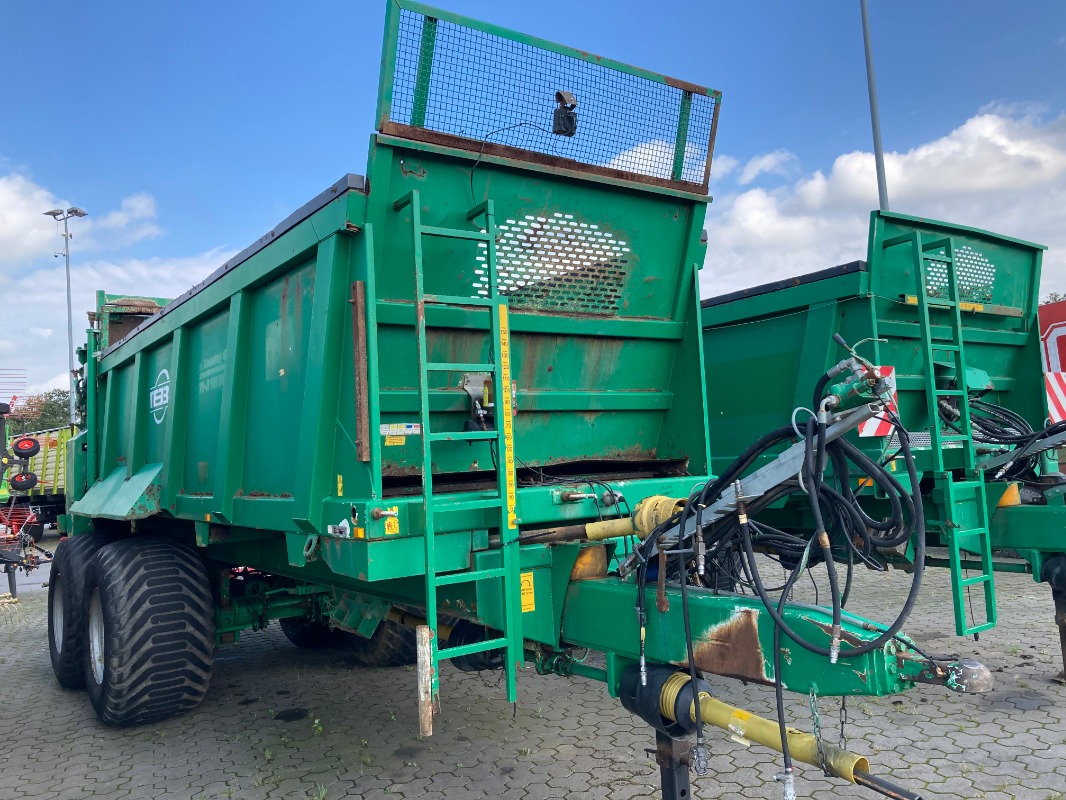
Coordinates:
[70,320]
[875,119]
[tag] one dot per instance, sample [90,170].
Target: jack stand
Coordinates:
[673,757]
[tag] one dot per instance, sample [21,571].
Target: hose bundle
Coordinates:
[996,425]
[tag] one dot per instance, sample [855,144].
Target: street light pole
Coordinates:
[875,117]
[63,216]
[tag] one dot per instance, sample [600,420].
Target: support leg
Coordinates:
[1060,620]
[11,586]
[1055,574]
[673,757]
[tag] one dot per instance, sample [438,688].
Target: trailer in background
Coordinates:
[952,311]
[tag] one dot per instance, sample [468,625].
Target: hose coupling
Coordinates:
[701,758]
[787,778]
[834,645]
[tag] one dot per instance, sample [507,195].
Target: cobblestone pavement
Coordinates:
[280,722]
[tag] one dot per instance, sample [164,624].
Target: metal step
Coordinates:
[453,578]
[455,366]
[464,436]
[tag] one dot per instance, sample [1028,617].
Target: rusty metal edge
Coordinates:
[486,148]
[359,345]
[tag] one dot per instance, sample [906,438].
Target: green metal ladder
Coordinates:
[966,529]
[503,501]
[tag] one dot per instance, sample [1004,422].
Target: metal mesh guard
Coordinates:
[488,88]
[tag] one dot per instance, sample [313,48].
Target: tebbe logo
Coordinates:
[159,396]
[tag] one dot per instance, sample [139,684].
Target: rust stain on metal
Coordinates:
[359,350]
[531,156]
[733,649]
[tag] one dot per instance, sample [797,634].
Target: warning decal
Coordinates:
[401,429]
[528,601]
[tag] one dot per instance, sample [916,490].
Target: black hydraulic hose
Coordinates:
[814,485]
[819,390]
[688,633]
[712,489]
[916,578]
[843,476]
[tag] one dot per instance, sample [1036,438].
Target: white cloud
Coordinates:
[656,158]
[26,234]
[779,162]
[723,165]
[134,221]
[44,356]
[1004,172]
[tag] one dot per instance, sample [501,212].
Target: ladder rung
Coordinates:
[456,366]
[945,348]
[943,259]
[984,626]
[954,437]
[458,300]
[478,210]
[950,393]
[975,580]
[466,505]
[454,233]
[464,436]
[474,647]
[470,577]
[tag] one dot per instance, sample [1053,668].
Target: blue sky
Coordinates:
[189,129]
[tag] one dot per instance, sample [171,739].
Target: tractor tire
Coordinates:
[150,631]
[66,607]
[392,645]
[302,632]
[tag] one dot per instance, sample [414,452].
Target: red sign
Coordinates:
[1053,353]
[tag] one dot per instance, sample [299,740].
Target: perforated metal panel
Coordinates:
[557,263]
[975,273]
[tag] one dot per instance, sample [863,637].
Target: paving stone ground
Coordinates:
[280,722]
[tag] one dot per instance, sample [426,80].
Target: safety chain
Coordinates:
[816,721]
[843,721]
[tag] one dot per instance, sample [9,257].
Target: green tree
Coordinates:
[1053,297]
[42,411]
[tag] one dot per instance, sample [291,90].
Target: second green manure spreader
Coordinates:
[949,315]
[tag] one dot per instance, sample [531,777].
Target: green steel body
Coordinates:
[779,338]
[272,416]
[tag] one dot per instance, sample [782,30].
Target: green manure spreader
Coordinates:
[455,411]
[949,315]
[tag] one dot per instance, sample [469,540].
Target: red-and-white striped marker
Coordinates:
[1056,395]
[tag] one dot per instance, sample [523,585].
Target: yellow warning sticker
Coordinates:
[393,441]
[392,524]
[360,533]
[340,485]
[528,600]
